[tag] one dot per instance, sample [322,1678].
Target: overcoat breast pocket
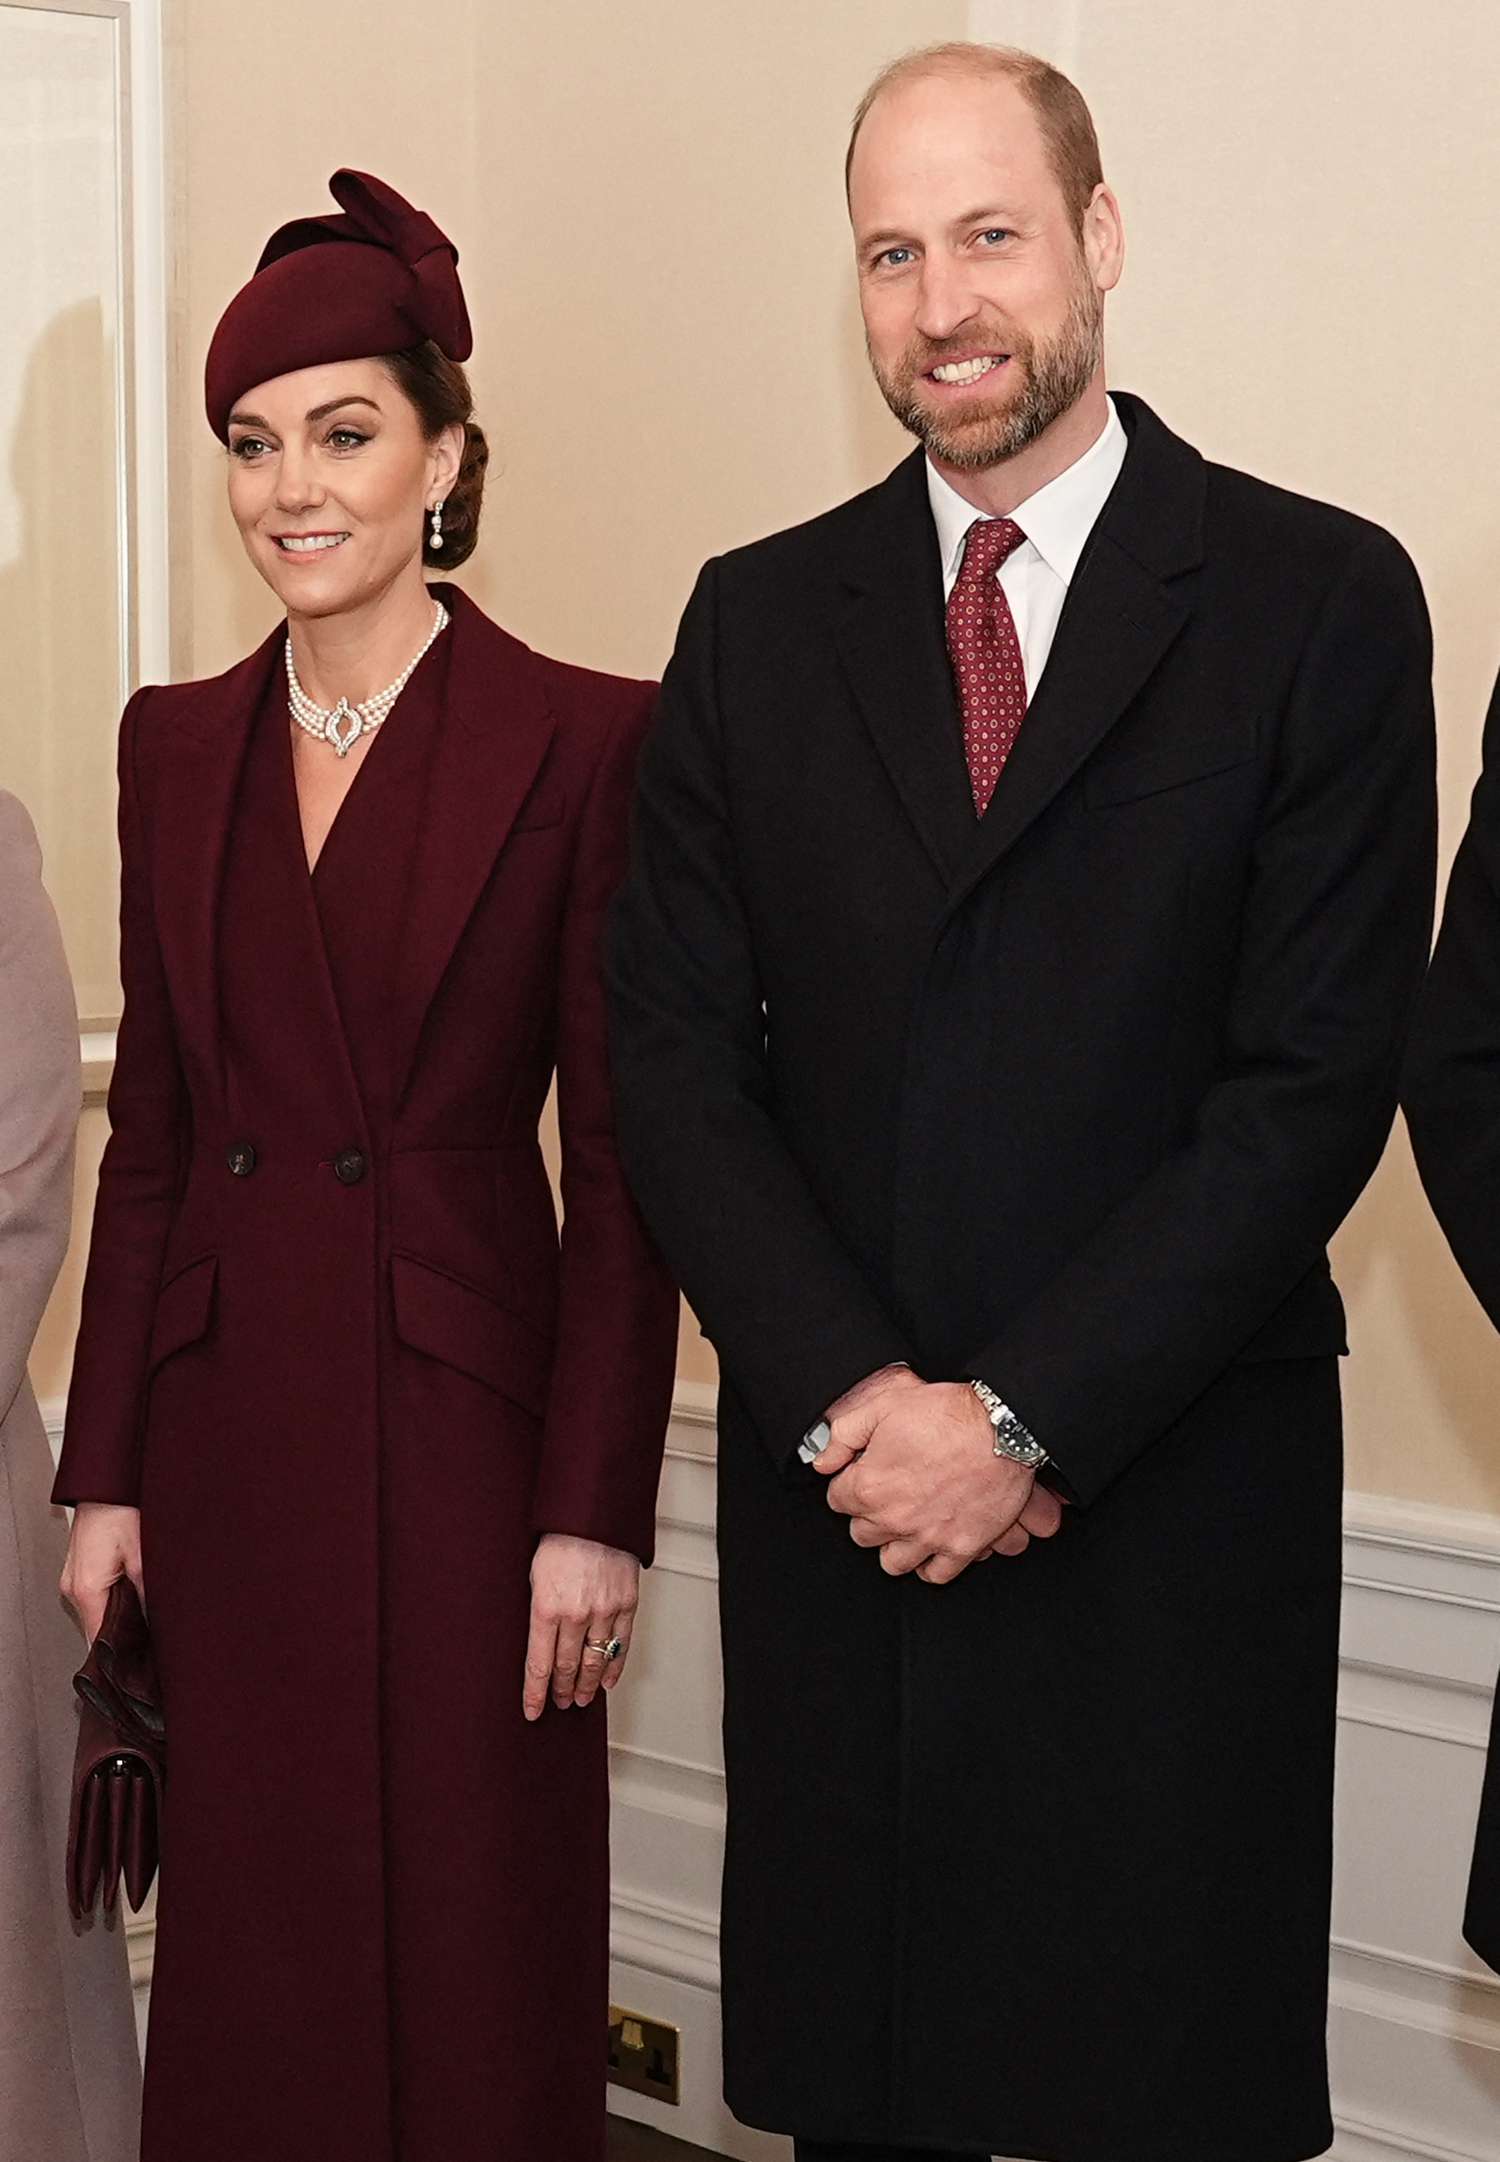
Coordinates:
[454,1321]
[184,1309]
[1150,770]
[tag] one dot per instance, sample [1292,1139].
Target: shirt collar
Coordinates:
[1057,519]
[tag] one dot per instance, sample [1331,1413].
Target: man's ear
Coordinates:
[1104,239]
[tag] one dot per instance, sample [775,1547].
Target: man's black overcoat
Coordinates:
[1071,1099]
[1452,1098]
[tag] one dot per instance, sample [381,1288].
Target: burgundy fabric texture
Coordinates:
[986,654]
[386,1376]
[376,276]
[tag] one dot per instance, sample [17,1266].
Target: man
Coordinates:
[1452,1099]
[1032,881]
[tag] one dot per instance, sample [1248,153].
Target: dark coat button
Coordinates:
[240,1159]
[349,1166]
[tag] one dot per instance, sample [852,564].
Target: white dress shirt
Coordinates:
[1057,520]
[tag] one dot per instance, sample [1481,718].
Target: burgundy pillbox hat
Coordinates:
[374,278]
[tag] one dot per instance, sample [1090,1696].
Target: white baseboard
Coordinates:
[1356,2142]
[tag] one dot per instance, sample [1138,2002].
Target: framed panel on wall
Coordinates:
[83,602]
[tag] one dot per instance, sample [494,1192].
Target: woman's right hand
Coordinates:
[105,1545]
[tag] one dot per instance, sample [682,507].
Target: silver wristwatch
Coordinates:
[1012,1438]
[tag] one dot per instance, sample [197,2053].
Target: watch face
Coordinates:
[1022,1448]
[1013,1439]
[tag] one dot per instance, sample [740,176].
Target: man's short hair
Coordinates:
[1067,125]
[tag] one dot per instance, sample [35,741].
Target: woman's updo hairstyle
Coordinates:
[439,389]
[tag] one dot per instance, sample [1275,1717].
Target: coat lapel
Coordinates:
[201,750]
[894,654]
[490,748]
[1124,609]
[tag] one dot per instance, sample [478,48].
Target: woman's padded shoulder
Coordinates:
[607,704]
[609,720]
[158,701]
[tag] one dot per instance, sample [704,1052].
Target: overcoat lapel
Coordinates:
[894,654]
[489,750]
[202,750]
[1123,611]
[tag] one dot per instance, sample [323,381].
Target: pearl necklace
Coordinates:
[343,725]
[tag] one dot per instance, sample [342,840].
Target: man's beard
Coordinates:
[1050,378]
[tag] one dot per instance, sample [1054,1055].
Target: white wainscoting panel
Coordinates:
[667,1775]
[1414,2021]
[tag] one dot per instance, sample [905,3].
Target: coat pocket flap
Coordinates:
[464,1327]
[184,1308]
[1309,1324]
[1148,773]
[543,807]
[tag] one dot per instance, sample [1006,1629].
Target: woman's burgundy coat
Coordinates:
[337,1354]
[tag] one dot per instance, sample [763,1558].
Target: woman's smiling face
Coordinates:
[330,482]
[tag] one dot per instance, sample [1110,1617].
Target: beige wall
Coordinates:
[61,627]
[647,201]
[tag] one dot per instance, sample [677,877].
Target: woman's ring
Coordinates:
[611,1647]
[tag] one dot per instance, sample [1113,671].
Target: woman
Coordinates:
[374,1440]
[69,2074]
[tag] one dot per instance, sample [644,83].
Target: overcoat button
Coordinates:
[240,1159]
[349,1167]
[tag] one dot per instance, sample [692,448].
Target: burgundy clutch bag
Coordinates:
[121,1761]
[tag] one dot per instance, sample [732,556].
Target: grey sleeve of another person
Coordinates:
[39,1096]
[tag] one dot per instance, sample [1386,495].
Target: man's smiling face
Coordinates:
[983,308]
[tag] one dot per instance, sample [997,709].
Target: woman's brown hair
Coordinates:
[439,389]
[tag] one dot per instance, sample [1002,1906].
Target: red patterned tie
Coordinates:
[986,654]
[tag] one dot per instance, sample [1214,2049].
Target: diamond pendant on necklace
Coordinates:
[343,725]
[343,711]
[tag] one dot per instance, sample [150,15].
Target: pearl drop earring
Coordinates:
[437,523]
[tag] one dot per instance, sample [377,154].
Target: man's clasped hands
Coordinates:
[912,1464]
